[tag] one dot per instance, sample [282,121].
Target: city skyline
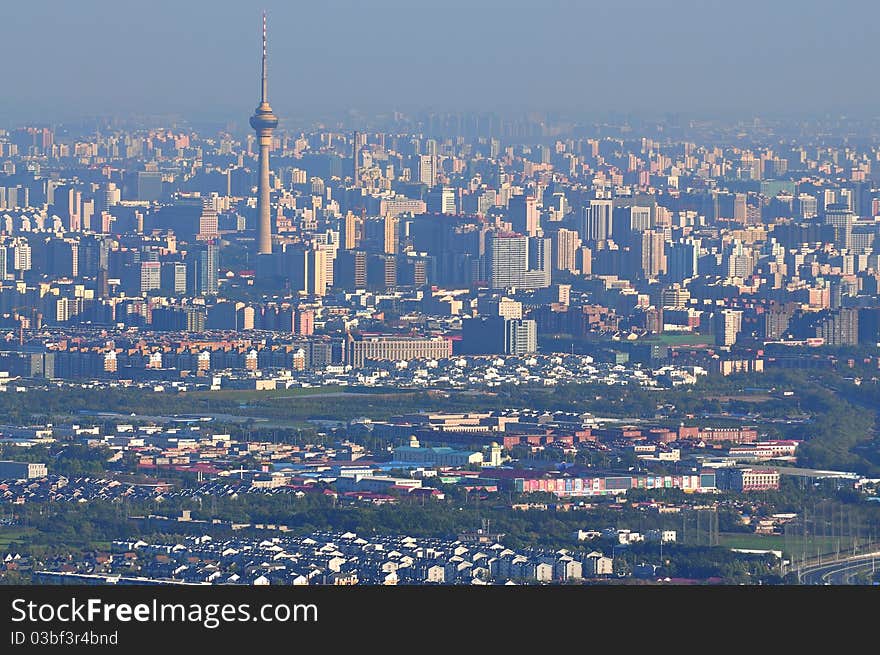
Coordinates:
[580,58]
[484,341]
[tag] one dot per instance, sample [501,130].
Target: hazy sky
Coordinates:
[64,59]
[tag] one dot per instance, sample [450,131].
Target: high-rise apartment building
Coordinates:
[567,244]
[728,325]
[508,257]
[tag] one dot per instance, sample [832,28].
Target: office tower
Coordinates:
[355,165]
[391,236]
[840,217]
[682,259]
[507,256]
[653,255]
[567,244]
[441,200]
[207,221]
[203,263]
[524,215]
[245,316]
[539,274]
[150,276]
[728,325]
[596,221]
[149,184]
[14,197]
[173,278]
[306,268]
[428,170]
[494,148]
[264,123]
[319,279]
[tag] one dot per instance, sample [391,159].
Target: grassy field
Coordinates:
[244,395]
[8,535]
[793,544]
[682,339]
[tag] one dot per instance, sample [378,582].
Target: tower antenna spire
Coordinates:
[263,97]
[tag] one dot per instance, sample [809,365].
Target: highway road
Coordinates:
[841,572]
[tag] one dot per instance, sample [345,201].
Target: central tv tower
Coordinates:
[264,122]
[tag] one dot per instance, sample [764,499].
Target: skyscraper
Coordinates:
[348,233]
[682,259]
[203,269]
[508,257]
[264,122]
[207,221]
[427,170]
[441,200]
[306,268]
[390,233]
[538,275]
[524,215]
[653,256]
[567,244]
[840,217]
[596,221]
[728,325]
[355,146]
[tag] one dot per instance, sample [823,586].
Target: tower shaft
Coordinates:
[264,225]
[264,123]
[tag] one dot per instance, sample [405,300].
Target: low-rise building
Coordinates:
[10,470]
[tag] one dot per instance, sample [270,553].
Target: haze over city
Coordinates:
[198,59]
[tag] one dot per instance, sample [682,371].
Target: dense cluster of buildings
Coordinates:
[425,237]
[189,458]
[329,559]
